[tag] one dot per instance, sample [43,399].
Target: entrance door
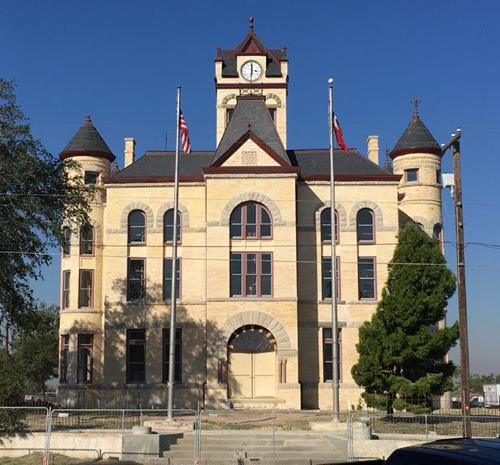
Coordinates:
[252,375]
[252,363]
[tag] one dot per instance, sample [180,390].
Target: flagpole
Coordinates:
[335,345]
[173,296]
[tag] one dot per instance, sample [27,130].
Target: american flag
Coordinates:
[186,144]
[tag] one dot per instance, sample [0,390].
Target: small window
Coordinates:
[272,114]
[136,283]
[250,221]
[328,354]
[366,278]
[86,294]
[411,175]
[63,364]
[178,355]
[167,278]
[438,176]
[66,242]
[136,355]
[85,358]
[437,232]
[168,226]
[87,240]
[251,275]
[365,226]
[326,225]
[326,277]
[66,276]
[91,177]
[229,114]
[136,227]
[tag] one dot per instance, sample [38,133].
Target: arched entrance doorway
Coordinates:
[251,352]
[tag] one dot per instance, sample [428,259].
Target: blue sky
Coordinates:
[120,61]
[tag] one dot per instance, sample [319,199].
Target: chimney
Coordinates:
[129,151]
[373,149]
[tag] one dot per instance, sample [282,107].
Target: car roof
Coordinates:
[473,451]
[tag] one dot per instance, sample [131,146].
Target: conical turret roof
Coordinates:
[416,138]
[87,142]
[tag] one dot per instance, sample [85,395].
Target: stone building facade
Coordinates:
[254,306]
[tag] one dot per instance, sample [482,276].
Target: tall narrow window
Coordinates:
[437,232]
[136,227]
[87,240]
[167,278]
[366,278]
[63,363]
[251,274]
[365,227]
[85,358]
[328,354]
[66,276]
[86,294]
[136,355]
[66,242]
[168,226]
[251,221]
[326,277]
[178,355]
[136,283]
[326,225]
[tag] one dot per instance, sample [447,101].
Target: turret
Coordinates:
[417,157]
[88,148]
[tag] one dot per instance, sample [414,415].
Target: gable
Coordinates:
[250,154]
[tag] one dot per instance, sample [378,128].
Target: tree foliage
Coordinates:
[402,349]
[35,197]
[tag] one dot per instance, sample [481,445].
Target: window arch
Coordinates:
[251,220]
[66,241]
[365,225]
[87,241]
[168,226]
[326,225]
[136,227]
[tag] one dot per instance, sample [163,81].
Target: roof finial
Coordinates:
[416,103]
[251,23]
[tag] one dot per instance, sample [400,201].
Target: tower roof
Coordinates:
[251,45]
[416,138]
[251,119]
[87,142]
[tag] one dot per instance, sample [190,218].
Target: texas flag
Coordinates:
[338,134]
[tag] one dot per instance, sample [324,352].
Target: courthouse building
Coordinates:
[254,267]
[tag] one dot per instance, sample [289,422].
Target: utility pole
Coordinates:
[462,295]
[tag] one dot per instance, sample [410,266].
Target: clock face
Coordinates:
[251,70]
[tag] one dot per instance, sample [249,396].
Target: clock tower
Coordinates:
[251,68]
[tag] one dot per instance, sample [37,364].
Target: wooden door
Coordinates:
[240,375]
[264,374]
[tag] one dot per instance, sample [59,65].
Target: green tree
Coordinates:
[401,350]
[35,349]
[35,197]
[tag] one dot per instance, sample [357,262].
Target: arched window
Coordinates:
[326,225]
[66,241]
[136,227]
[365,225]
[437,232]
[168,226]
[87,240]
[251,221]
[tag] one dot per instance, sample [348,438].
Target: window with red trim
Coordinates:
[326,277]
[168,226]
[251,221]
[136,227]
[86,284]
[326,225]
[251,274]
[63,364]
[87,240]
[366,278]
[85,358]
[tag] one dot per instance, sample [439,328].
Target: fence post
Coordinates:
[123,421]
[48,430]
[426,428]
[350,451]
[274,434]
